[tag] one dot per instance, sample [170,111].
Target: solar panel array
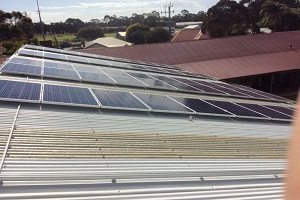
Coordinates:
[116,76]
[123,100]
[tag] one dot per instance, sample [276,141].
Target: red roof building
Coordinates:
[259,60]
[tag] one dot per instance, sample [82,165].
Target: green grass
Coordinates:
[60,37]
[110,34]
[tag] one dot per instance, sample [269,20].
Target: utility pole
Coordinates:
[41,24]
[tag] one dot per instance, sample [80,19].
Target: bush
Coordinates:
[90,33]
[12,46]
[158,34]
[137,33]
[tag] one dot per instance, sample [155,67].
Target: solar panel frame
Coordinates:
[96,77]
[31,53]
[15,68]
[65,95]
[61,74]
[55,56]
[281,109]
[17,91]
[237,110]
[203,107]
[25,60]
[157,104]
[77,59]
[57,65]
[119,100]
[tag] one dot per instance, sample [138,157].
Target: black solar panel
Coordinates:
[201,106]
[68,95]
[283,110]
[199,86]
[96,77]
[26,61]
[235,109]
[116,99]
[265,111]
[177,84]
[22,69]
[220,88]
[19,90]
[61,73]
[152,82]
[123,78]
[162,103]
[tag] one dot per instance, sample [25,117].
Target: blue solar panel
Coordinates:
[19,90]
[98,62]
[77,59]
[31,53]
[116,99]
[96,77]
[123,78]
[61,73]
[68,95]
[177,84]
[58,65]
[152,82]
[26,61]
[162,103]
[235,109]
[265,111]
[21,69]
[201,106]
[55,56]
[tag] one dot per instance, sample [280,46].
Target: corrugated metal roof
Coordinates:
[212,49]
[186,35]
[108,42]
[246,66]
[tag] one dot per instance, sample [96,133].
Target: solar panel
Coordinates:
[201,106]
[176,84]
[118,64]
[52,50]
[251,93]
[220,88]
[96,77]
[55,56]
[138,67]
[162,103]
[235,109]
[283,110]
[26,61]
[275,97]
[98,62]
[58,65]
[199,86]
[116,99]
[28,46]
[152,82]
[21,69]
[266,111]
[19,90]
[123,78]
[77,59]
[61,73]
[30,53]
[68,95]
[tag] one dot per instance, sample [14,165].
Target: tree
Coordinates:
[158,34]
[137,33]
[73,25]
[226,18]
[90,33]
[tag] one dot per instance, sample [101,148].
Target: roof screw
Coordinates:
[201,178]
[114,180]
[103,156]
[191,118]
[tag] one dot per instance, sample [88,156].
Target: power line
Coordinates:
[41,24]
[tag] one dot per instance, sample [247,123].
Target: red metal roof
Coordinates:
[226,57]
[202,50]
[247,65]
[186,35]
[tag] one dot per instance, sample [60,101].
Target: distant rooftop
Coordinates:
[107,42]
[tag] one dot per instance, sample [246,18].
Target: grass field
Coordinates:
[60,37]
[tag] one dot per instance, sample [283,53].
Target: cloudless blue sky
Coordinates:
[60,10]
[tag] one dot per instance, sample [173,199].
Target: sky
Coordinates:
[60,10]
